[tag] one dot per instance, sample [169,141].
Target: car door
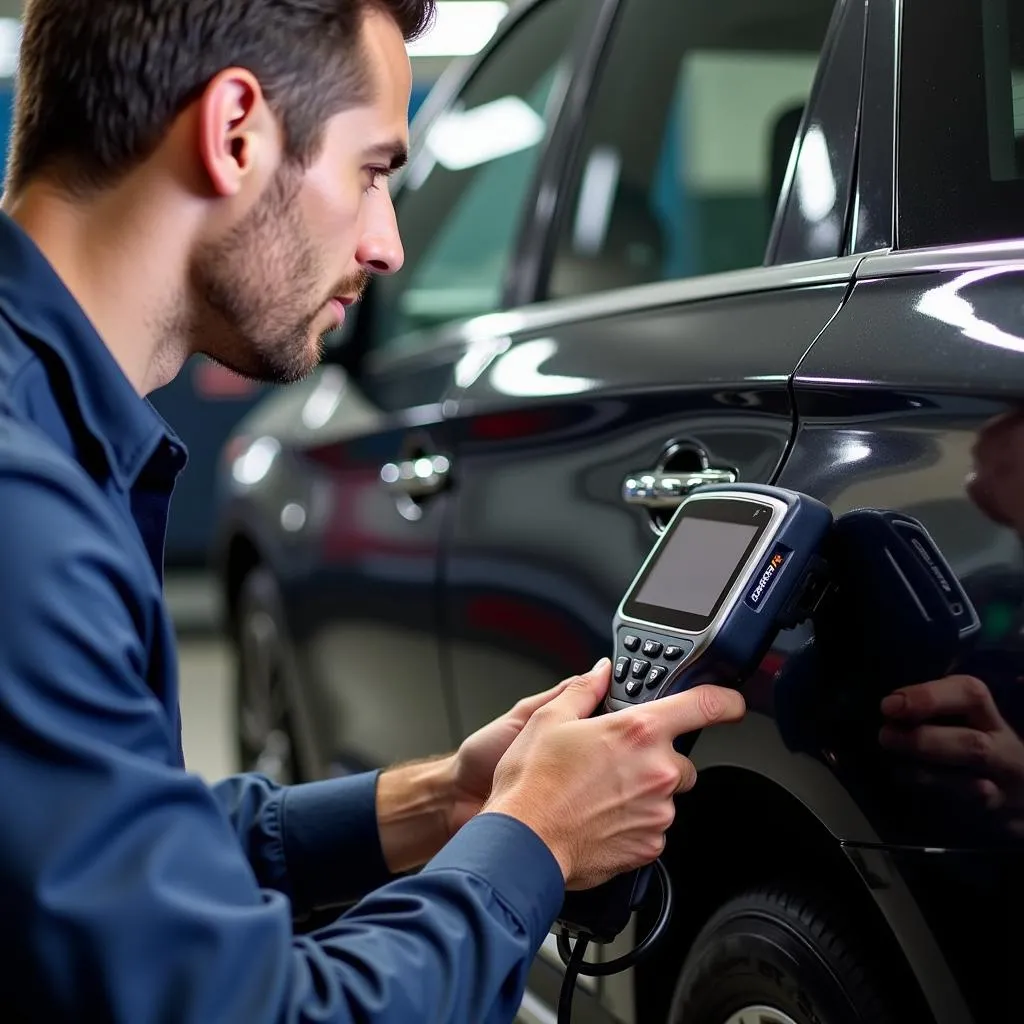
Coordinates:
[581,420]
[365,604]
[912,400]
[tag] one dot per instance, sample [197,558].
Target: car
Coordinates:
[764,241]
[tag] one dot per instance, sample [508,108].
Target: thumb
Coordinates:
[584,693]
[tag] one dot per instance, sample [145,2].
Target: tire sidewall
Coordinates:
[751,959]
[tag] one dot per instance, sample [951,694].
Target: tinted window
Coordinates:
[961,136]
[687,140]
[462,197]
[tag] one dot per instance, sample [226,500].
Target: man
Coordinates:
[207,176]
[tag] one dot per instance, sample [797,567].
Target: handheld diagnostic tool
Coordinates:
[734,566]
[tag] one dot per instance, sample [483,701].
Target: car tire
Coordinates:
[771,956]
[264,729]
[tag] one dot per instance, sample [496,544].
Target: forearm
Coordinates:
[414,811]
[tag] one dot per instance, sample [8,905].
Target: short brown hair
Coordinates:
[101,81]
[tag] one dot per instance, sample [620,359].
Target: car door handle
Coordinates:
[665,490]
[417,478]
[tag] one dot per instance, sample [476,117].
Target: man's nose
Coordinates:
[380,248]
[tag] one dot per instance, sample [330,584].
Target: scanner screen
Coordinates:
[695,565]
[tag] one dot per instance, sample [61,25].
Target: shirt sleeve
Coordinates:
[127,895]
[318,843]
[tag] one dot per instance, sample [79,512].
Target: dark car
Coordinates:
[770,241]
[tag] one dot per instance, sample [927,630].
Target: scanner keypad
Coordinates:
[644,662]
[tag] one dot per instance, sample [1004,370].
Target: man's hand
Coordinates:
[422,804]
[473,766]
[600,792]
[977,757]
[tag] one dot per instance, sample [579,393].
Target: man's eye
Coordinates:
[377,174]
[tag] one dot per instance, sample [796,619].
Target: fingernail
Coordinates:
[894,704]
[601,664]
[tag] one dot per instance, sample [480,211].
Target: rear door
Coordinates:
[913,399]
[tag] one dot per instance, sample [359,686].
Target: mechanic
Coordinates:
[191,176]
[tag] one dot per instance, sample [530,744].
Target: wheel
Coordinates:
[770,956]
[266,739]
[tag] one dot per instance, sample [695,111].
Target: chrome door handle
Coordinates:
[416,478]
[665,490]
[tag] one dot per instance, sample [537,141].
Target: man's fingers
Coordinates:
[962,696]
[687,774]
[980,792]
[581,695]
[525,708]
[696,709]
[947,745]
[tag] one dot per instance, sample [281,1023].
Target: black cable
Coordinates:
[572,956]
[572,971]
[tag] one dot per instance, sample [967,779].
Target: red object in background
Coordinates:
[211,380]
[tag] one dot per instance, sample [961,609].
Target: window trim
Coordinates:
[873,216]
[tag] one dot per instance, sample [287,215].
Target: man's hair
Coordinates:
[101,81]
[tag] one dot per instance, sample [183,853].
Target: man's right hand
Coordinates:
[600,791]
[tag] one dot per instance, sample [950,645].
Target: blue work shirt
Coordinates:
[132,891]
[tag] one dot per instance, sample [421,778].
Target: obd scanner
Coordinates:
[734,566]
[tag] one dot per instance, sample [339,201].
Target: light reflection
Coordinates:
[518,373]
[255,463]
[816,182]
[324,400]
[461,139]
[945,303]
[477,357]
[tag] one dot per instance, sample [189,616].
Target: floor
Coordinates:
[205,677]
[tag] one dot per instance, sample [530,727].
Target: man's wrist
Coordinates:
[414,811]
[536,823]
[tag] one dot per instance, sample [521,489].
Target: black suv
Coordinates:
[652,244]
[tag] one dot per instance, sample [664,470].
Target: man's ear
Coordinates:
[238,139]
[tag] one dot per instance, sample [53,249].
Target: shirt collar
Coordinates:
[37,302]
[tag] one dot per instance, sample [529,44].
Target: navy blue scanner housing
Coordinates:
[735,565]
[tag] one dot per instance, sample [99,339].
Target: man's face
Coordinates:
[266,293]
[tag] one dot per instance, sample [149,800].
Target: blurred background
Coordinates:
[205,403]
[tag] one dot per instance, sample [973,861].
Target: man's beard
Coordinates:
[254,293]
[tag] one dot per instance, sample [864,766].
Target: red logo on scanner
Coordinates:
[764,583]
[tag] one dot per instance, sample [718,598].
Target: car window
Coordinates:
[687,140]
[961,118]
[461,199]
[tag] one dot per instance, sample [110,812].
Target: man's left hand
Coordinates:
[473,766]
